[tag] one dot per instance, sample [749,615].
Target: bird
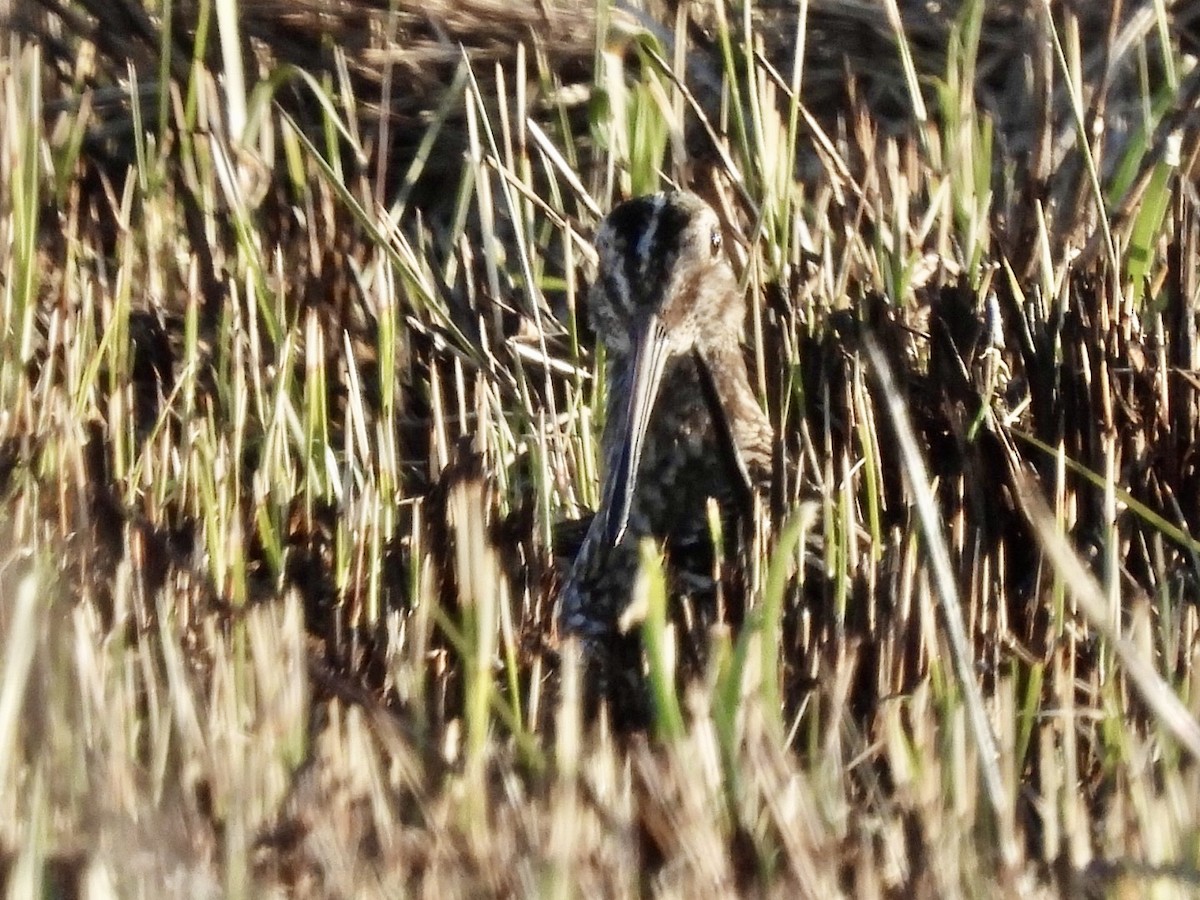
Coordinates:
[682,423]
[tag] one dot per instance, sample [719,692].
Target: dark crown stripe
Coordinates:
[673,225]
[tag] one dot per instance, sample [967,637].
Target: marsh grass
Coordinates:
[299,409]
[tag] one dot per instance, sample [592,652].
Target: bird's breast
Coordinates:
[682,465]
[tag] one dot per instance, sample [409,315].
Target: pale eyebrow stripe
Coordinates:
[617,286]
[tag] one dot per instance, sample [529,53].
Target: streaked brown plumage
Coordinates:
[682,423]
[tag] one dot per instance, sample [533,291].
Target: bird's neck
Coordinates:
[748,426]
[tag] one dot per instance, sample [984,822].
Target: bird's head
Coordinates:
[662,264]
[664,287]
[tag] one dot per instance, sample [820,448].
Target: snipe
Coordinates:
[681,422]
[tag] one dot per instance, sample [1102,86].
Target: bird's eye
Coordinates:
[714,242]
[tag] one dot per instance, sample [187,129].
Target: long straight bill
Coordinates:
[650,349]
